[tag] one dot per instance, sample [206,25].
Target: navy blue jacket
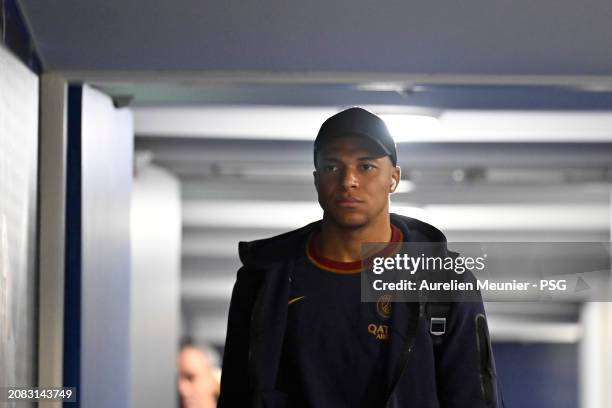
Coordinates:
[459,372]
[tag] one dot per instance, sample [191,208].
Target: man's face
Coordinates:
[353,186]
[197,384]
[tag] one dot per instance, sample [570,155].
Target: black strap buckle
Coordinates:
[437,326]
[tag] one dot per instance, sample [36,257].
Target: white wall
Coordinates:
[155,287]
[18,186]
[593,356]
[107,155]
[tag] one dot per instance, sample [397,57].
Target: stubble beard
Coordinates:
[351,221]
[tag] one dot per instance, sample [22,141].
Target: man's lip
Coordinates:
[348,200]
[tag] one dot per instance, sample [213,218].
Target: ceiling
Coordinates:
[441,96]
[473,37]
[470,55]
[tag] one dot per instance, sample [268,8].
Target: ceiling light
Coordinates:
[408,127]
[398,87]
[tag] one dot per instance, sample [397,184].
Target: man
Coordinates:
[198,383]
[298,335]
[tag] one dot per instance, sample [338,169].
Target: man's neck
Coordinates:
[343,244]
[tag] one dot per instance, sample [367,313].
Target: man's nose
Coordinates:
[183,388]
[349,179]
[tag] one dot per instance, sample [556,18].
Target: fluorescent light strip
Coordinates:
[291,123]
[271,214]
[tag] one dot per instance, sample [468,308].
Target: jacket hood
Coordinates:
[279,248]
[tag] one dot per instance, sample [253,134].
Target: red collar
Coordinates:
[347,267]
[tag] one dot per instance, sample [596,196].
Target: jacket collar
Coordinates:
[284,247]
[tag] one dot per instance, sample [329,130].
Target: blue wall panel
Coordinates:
[538,375]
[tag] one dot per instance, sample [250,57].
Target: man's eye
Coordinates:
[330,168]
[366,166]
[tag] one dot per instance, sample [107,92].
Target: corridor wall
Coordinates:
[97,301]
[18,206]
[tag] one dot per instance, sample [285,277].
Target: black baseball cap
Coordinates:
[357,122]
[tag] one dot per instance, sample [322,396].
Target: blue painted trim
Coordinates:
[15,35]
[73,270]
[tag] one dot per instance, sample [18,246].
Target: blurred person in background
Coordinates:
[198,381]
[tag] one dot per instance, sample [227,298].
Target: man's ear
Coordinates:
[315,175]
[396,175]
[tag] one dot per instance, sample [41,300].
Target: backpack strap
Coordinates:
[434,308]
[436,314]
